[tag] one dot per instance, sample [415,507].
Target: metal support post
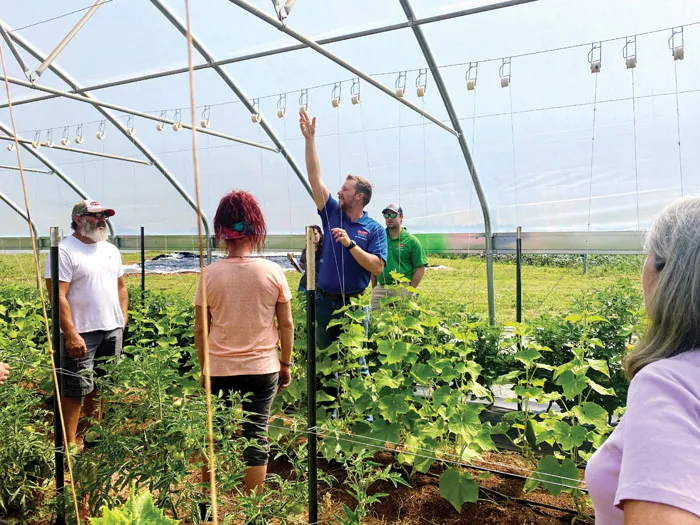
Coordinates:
[518,276]
[143,270]
[56,343]
[444,94]
[311,373]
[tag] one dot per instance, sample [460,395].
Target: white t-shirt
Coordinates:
[92,270]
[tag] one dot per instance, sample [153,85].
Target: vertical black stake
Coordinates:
[518,275]
[143,271]
[56,343]
[311,370]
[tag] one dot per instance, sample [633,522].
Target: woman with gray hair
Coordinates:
[648,471]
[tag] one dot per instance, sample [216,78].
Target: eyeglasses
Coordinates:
[390,215]
[100,215]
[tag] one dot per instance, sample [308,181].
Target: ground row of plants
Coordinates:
[422,406]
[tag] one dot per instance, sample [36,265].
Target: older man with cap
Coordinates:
[93,302]
[406,256]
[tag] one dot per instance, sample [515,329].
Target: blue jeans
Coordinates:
[325,309]
[325,336]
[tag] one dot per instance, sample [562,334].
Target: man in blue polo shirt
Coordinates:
[356,246]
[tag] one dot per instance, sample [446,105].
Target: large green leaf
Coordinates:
[387,378]
[423,374]
[591,414]
[465,421]
[601,365]
[396,352]
[383,432]
[600,388]
[528,356]
[458,488]
[572,384]
[554,476]
[392,406]
[568,436]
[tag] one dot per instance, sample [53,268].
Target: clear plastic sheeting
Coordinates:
[556,147]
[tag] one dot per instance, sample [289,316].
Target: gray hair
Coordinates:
[674,301]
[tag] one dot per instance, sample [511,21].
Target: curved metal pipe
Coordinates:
[444,94]
[234,87]
[55,169]
[21,213]
[108,115]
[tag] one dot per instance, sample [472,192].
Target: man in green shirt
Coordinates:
[405,256]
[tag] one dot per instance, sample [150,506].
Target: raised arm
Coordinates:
[313,167]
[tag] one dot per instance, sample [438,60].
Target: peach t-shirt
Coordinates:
[242,294]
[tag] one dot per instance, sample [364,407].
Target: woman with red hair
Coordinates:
[244,296]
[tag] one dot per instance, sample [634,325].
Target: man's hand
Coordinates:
[4,372]
[307,125]
[341,236]
[75,345]
[284,379]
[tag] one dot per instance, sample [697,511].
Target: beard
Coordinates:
[97,233]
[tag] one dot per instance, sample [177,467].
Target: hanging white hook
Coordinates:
[177,117]
[595,56]
[79,139]
[355,91]
[422,82]
[470,75]
[335,100]
[160,126]
[400,85]
[206,121]
[64,137]
[282,106]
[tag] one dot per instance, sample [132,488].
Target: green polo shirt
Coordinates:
[404,256]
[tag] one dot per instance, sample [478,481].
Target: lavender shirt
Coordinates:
[654,453]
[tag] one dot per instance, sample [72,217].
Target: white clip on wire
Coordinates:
[282,106]
[675,43]
[504,72]
[355,91]
[177,125]
[400,85]
[470,75]
[255,117]
[64,137]
[304,101]
[629,52]
[49,138]
[206,120]
[36,143]
[422,82]
[130,129]
[79,139]
[100,131]
[335,100]
[10,146]
[160,126]
[595,57]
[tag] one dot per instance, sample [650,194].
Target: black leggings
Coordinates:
[256,407]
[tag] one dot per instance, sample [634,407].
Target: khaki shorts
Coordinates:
[379,292]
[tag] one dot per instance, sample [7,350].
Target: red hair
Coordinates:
[239,208]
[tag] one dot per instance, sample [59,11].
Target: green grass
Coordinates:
[461,287]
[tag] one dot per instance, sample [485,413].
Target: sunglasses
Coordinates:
[96,215]
[390,215]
